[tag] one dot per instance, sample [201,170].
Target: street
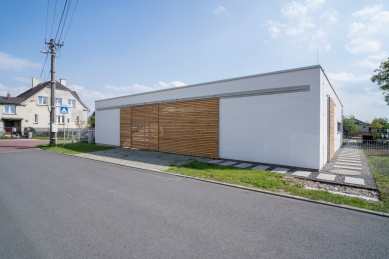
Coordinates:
[58,206]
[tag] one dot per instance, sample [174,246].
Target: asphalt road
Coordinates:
[56,206]
[18,145]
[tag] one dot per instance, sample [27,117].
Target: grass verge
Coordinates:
[379,166]
[74,148]
[268,181]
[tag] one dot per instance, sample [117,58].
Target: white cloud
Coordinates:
[332,16]
[298,21]
[90,96]
[9,62]
[366,35]
[373,61]
[343,79]
[14,91]
[137,88]
[22,79]
[368,11]
[220,9]
[363,45]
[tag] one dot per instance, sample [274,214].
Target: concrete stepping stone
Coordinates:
[358,164]
[354,180]
[348,167]
[349,160]
[243,165]
[302,173]
[261,167]
[280,170]
[227,163]
[214,161]
[345,172]
[328,177]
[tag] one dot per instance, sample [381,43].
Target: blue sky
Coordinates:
[124,47]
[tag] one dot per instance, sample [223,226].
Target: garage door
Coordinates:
[144,127]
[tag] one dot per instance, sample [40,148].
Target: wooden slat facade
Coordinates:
[186,127]
[190,127]
[332,127]
[125,127]
[145,127]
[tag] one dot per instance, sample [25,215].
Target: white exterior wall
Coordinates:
[280,129]
[107,128]
[326,90]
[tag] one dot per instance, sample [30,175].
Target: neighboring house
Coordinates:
[291,117]
[31,108]
[363,126]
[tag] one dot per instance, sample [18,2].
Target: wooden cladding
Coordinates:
[125,127]
[332,128]
[186,127]
[190,127]
[145,127]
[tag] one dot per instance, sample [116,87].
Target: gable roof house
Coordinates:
[31,108]
[363,126]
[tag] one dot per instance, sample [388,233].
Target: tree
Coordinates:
[376,127]
[384,122]
[91,121]
[349,124]
[382,79]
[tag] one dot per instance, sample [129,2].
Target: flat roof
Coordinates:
[219,81]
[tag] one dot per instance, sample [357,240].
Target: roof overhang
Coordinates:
[11,119]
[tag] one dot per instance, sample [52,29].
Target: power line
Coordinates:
[71,19]
[47,15]
[55,8]
[66,16]
[59,26]
[43,66]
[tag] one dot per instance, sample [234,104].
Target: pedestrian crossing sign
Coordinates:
[63,110]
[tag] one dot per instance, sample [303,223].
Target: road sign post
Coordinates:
[64,110]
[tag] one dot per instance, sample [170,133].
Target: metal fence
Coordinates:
[73,134]
[360,155]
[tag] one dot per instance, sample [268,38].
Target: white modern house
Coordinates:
[290,117]
[30,108]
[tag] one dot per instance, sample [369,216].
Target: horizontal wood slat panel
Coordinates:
[125,127]
[190,127]
[145,127]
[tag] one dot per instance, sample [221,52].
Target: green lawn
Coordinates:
[379,166]
[74,148]
[273,182]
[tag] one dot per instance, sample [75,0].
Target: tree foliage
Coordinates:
[91,121]
[349,124]
[382,79]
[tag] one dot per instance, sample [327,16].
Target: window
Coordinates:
[42,100]
[72,103]
[58,101]
[339,127]
[77,120]
[35,118]
[9,109]
[60,119]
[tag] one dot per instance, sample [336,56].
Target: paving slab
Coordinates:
[349,164]
[280,170]
[227,163]
[328,177]
[214,161]
[261,167]
[345,172]
[348,167]
[302,173]
[354,180]
[243,165]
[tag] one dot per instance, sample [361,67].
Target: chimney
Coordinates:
[8,95]
[35,82]
[62,81]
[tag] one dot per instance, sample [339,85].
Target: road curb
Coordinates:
[382,214]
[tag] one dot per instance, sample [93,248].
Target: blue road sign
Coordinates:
[63,110]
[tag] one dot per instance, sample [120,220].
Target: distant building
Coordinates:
[363,126]
[30,108]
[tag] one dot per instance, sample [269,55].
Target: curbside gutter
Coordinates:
[382,214]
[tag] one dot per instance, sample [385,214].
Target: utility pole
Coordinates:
[53,134]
